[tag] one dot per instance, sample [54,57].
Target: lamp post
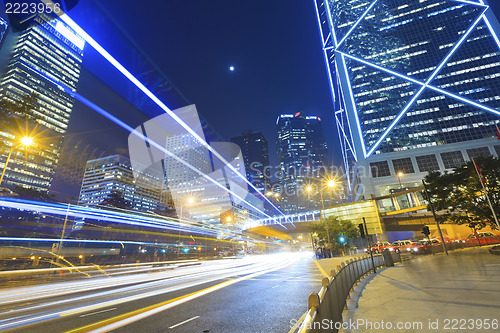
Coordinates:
[309,190]
[189,201]
[25,142]
[400,174]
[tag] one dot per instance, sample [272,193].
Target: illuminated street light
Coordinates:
[228,219]
[309,188]
[400,174]
[190,200]
[25,142]
[331,183]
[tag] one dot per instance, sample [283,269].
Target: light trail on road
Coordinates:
[66,299]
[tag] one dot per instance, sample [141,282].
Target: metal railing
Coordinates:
[332,298]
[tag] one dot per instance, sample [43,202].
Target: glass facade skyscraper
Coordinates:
[255,151]
[53,49]
[110,174]
[416,86]
[302,153]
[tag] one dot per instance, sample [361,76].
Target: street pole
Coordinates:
[435,218]
[369,245]
[6,163]
[324,218]
[62,234]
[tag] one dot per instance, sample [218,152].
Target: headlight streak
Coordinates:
[156,280]
[111,216]
[257,266]
[127,127]
[92,42]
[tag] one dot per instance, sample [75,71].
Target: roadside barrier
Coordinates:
[332,298]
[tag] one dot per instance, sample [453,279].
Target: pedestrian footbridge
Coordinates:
[400,211]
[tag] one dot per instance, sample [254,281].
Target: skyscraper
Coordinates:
[302,152]
[255,152]
[109,174]
[53,49]
[416,87]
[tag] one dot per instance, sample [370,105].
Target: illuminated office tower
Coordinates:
[255,151]
[113,174]
[416,87]
[302,152]
[50,49]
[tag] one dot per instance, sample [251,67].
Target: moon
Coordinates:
[231,68]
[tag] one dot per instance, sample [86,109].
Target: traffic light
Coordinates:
[426,231]
[361,230]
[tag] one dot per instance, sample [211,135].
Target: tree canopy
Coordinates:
[116,199]
[458,196]
[336,228]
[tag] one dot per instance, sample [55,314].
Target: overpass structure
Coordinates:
[405,210]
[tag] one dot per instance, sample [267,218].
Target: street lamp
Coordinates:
[24,142]
[309,189]
[400,174]
[189,202]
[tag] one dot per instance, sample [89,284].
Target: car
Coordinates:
[425,246]
[483,238]
[401,246]
[378,247]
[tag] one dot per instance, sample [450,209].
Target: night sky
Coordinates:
[274,46]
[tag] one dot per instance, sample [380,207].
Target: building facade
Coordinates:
[415,84]
[113,174]
[255,152]
[52,49]
[302,152]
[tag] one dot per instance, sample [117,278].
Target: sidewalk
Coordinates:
[425,294]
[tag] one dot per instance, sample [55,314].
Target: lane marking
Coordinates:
[130,317]
[325,274]
[185,321]
[93,313]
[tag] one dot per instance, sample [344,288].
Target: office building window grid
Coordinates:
[477,152]
[380,47]
[380,169]
[403,165]
[427,163]
[452,159]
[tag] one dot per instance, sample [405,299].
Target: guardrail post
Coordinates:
[313,301]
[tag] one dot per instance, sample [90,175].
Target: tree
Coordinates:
[116,199]
[29,193]
[336,229]
[458,195]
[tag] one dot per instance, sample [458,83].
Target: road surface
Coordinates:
[253,294]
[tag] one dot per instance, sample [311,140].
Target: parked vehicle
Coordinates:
[483,238]
[401,246]
[425,246]
[378,247]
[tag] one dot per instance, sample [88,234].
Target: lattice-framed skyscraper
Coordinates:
[416,86]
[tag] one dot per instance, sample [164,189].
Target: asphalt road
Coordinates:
[254,294]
